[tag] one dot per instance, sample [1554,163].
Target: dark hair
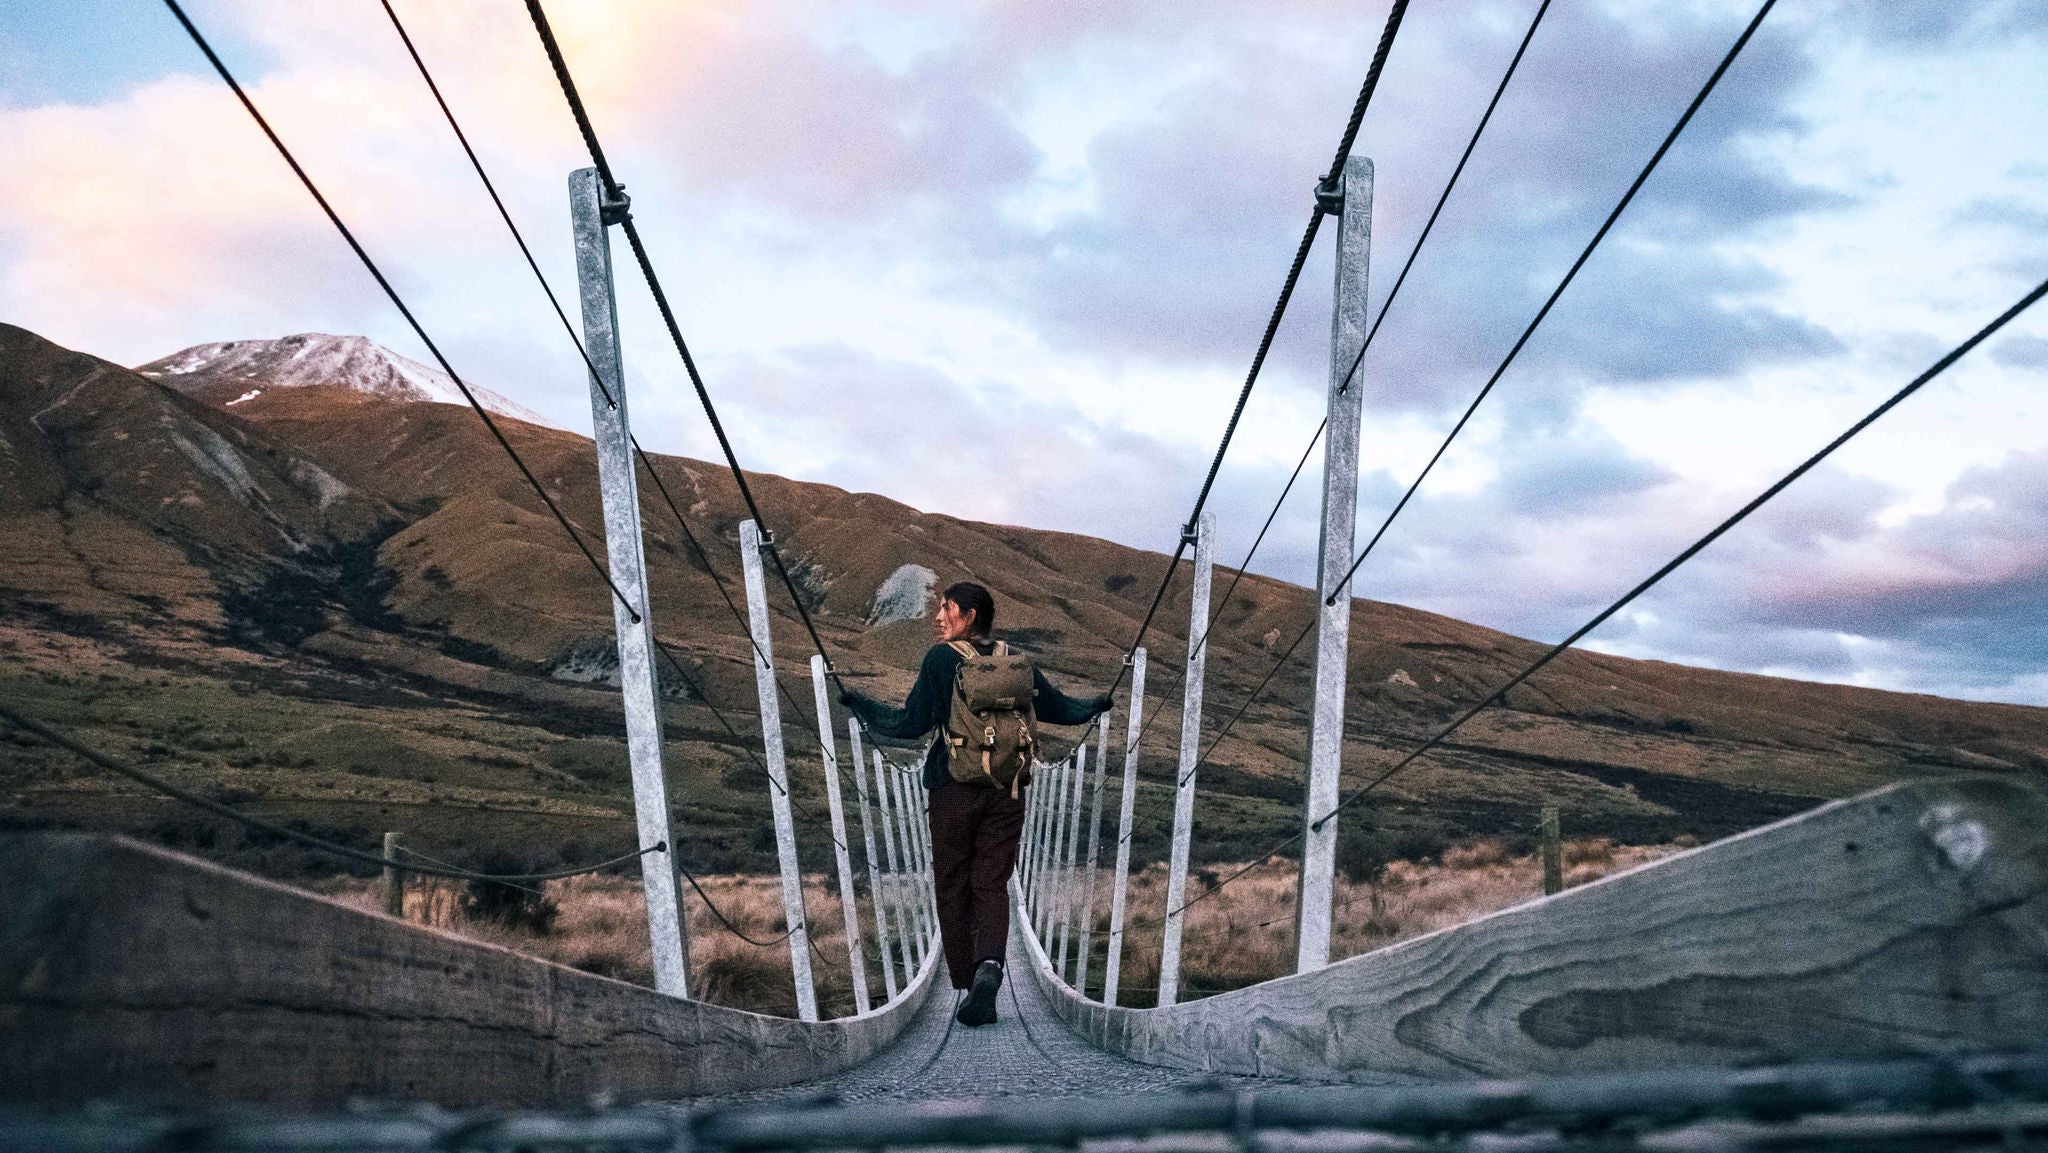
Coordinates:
[970,597]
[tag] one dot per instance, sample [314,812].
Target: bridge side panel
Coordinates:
[142,973]
[1909,920]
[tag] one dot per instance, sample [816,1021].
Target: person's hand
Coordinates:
[846,697]
[1104,703]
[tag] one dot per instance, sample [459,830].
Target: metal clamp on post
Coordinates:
[617,211]
[1330,195]
[767,539]
[1187,536]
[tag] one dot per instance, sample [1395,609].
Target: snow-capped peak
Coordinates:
[312,358]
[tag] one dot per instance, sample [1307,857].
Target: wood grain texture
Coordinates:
[132,972]
[1910,920]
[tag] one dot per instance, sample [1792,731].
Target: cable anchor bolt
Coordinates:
[616,211]
[1330,195]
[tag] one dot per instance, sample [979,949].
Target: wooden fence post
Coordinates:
[1553,853]
[394,879]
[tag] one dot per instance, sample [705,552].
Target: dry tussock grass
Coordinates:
[602,929]
[1245,933]
[1241,936]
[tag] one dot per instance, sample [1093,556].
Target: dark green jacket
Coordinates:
[930,701]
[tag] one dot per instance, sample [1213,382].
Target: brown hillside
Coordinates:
[420,603]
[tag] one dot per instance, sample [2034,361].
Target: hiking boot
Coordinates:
[980,1006]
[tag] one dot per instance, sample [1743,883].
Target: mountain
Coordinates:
[412,643]
[234,372]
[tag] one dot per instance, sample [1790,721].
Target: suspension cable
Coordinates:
[1499,694]
[1330,179]
[632,231]
[64,741]
[597,378]
[392,294]
[1742,41]
[1331,596]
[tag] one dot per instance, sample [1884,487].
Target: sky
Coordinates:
[1010,259]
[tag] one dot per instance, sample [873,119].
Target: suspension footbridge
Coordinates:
[1888,951]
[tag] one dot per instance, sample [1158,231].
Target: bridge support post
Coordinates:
[849,905]
[1119,885]
[1333,624]
[907,926]
[867,835]
[1190,759]
[1070,878]
[1086,927]
[589,215]
[778,774]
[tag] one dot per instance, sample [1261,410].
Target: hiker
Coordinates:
[985,701]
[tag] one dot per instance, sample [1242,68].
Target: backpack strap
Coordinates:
[964,648]
[1002,649]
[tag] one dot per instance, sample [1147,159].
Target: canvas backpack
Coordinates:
[991,730]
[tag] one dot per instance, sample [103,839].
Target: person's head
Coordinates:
[966,612]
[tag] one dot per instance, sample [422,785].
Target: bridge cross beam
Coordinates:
[589,214]
[1333,622]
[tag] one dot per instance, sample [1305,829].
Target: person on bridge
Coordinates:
[986,702]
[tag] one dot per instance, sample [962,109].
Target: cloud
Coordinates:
[879,222]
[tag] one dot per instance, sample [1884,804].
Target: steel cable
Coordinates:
[69,744]
[632,231]
[1330,596]
[1694,549]
[391,293]
[1315,223]
[597,378]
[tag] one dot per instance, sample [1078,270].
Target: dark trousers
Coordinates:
[975,831]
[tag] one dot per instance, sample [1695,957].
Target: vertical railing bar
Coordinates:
[1190,756]
[1087,927]
[849,905]
[858,760]
[778,774]
[1112,970]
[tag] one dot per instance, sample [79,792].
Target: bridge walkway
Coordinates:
[1028,1052]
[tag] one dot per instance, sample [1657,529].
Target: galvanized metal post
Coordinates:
[1034,821]
[1048,831]
[1068,877]
[1333,622]
[1190,758]
[876,900]
[1087,926]
[778,774]
[907,929]
[1056,843]
[913,863]
[849,905]
[1134,726]
[589,214]
[1022,875]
